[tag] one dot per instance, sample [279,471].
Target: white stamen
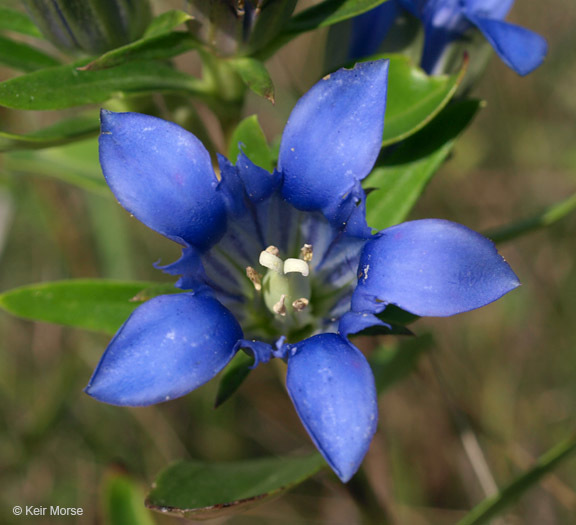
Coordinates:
[273,250]
[254,277]
[300,304]
[296,266]
[280,308]
[306,253]
[271,261]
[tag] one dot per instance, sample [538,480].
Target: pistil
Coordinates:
[285,286]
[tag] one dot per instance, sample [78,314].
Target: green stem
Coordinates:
[547,217]
[493,506]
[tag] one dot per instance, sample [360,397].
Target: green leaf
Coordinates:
[403,175]
[196,490]
[233,376]
[62,132]
[414,98]
[123,500]
[493,506]
[93,304]
[11,20]
[157,47]
[165,22]
[64,86]
[328,13]
[543,219]
[255,75]
[254,144]
[75,163]
[392,364]
[23,57]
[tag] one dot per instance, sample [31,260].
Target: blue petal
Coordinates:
[519,48]
[163,175]
[436,39]
[333,136]
[332,388]
[370,29]
[258,182]
[354,322]
[414,6]
[431,268]
[495,9]
[190,269]
[169,346]
[444,22]
[231,187]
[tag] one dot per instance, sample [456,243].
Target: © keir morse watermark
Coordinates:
[52,510]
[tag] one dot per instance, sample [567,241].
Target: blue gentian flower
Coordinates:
[282,264]
[446,21]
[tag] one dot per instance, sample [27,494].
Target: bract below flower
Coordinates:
[282,264]
[446,21]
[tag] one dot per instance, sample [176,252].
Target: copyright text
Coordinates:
[53,510]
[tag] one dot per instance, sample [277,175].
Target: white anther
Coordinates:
[273,250]
[271,261]
[300,304]
[280,308]
[306,253]
[254,277]
[296,266]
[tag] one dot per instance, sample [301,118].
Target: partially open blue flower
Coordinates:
[446,21]
[282,264]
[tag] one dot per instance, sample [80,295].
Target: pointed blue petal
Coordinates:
[519,48]
[370,29]
[189,267]
[431,267]
[444,22]
[436,39]
[262,352]
[231,187]
[495,9]
[333,136]
[259,183]
[332,388]
[163,175]
[169,346]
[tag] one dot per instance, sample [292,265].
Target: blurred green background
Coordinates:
[496,391]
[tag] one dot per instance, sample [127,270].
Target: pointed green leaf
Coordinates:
[62,132]
[64,86]
[123,501]
[233,376]
[75,163]
[21,56]
[255,76]
[414,98]
[196,490]
[249,134]
[11,20]
[492,507]
[549,216]
[402,177]
[93,304]
[157,47]
[165,22]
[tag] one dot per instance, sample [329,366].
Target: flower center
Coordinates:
[285,286]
